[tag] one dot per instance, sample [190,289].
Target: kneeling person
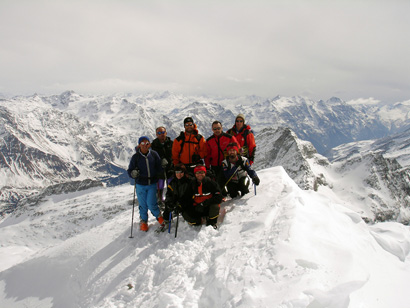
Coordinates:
[206,200]
[236,169]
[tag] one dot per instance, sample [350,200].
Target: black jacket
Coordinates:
[164,150]
[179,191]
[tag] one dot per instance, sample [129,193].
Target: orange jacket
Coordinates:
[186,145]
[246,141]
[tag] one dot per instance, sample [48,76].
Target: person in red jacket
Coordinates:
[216,146]
[245,137]
[189,148]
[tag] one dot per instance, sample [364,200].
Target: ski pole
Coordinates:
[176,225]
[237,168]
[255,188]
[170,219]
[133,205]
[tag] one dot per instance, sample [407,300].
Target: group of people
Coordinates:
[199,173]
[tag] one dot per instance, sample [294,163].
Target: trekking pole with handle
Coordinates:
[133,205]
[170,220]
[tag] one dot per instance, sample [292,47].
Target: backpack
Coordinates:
[181,138]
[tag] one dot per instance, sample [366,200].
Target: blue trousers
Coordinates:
[147,199]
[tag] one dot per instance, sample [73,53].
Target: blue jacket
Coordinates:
[244,170]
[149,166]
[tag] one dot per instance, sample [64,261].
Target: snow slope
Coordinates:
[283,247]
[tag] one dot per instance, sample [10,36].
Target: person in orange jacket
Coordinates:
[189,148]
[245,137]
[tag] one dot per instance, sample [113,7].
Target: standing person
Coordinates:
[189,147]
[236,169]
[246,139]
[206,200]
[179,192]
[145,168]
[163,146]
[216,152]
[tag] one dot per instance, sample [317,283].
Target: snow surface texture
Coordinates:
[283,247]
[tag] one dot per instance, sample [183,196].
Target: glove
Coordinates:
[178,208]
[135,173]
[196,158]
[256,180]
[239,162]
[164,163]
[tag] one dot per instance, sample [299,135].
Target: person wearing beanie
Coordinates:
[189,148]
[179,193]
[216,153]
[145,168]
[206,198]
[236,169]
[245,137]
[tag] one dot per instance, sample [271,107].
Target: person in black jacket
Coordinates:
[206,199]
[163,146]
[145,167]
[179,192]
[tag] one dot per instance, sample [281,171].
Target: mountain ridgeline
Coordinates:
[55,141]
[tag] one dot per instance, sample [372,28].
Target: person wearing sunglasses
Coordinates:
[189,148]
[245,137]
[216,153]
[206,200]
[145,167]
[163,146]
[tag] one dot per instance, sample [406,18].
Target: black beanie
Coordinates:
[188,119]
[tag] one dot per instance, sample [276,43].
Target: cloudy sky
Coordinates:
[316,48]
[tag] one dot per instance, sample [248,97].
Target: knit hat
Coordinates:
[188,119]
[199,168]
[232,146]
[241,116]
[142,138]
[180,167]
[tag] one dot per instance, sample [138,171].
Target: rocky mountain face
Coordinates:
[69,138]
[375,186]
[281,147]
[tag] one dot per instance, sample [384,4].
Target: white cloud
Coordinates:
[322,48]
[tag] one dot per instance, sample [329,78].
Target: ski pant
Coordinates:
[147,199]
[234,187]
[194,217]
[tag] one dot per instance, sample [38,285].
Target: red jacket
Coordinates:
[216,146]
[246,141]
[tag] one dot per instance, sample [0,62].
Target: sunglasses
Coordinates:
[217,128]
[189,124]
[144,143]
[240,121]
[161,133]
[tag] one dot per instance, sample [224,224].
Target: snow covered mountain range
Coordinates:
[327,226]
[58,139]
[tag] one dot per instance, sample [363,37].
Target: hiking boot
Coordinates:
[143,226]
[160,220]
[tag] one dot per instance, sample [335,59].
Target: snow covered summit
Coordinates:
[283,247]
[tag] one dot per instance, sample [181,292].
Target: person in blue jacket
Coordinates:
[236,169]
[145,167]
